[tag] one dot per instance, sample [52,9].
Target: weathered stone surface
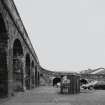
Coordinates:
[15,45]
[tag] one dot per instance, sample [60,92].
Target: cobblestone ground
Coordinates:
[51,96]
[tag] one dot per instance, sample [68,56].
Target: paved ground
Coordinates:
[51,96]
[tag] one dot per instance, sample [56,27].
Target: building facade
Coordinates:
[19,65]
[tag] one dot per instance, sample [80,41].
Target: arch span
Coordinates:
[27,71]
[56,80]
[17,65]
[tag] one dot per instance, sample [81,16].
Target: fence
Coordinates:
[70,84]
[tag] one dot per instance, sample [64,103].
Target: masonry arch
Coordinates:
[17,65]
[56,80]
[3,58]
[27,71]
[17,48]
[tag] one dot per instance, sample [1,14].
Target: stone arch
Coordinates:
[17,48]
[56,80]
[17,65]
[3,58]
[2,24]
[27,71]
[33,74]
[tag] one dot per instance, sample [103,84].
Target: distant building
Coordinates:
[95,74]
[94,71]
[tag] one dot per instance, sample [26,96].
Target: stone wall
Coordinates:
[15,45]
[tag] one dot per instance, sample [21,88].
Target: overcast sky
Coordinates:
[68,35]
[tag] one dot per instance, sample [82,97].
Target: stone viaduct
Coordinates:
[19,65]
[93,76]
[52,77]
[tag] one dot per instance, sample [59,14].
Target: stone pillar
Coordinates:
[38,76]
[24,74]
[30,76]
[34,76]
[10,71]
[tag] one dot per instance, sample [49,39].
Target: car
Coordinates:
[100,85]
[89,85]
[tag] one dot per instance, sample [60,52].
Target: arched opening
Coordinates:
[36,80]
[83,81]
[17,65]
[17,48]
[2,25]
[3,59]
[56,80]
[27,71]
[33,74]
